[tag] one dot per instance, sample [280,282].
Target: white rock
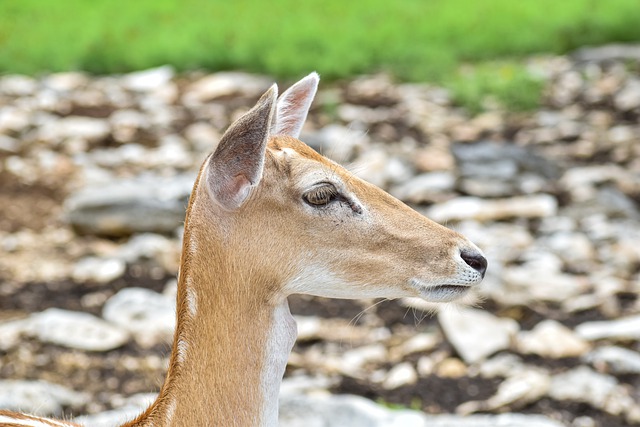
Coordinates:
[148,80]
[551,339]
[337,142]
[502,420]
[68,81]
[126,123]
[14,119]
[629,96]
[99,270]
[400,375]
[627,328]
[422,188]
[77,330]
[125,411]
[77,127]
[476,334]
[224,84]
[38,397]
[148,315]
[17,85]
[600,391]
[11,332]
[524,387]
[617,360]
[463,208]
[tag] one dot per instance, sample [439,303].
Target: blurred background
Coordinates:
[516,123]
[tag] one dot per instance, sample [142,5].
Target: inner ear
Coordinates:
[293,106]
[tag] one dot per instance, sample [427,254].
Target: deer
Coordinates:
[269,217]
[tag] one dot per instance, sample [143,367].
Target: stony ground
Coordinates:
[94,177]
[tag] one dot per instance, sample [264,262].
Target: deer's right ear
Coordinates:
[236,165]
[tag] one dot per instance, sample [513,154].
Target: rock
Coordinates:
[502,420]
[225,84]
[400,375]
[603,392]
[126,411]
[147,315]
[520,389]
[14,119]
[343,410]
[427,187]
[155,247]
[11,333]
[337,142]
[17,85]
[77,127]
[67,81]
[143,204]
[98,270]
[551,339]
[628,98]
[627,328]
[616,360]
[476,334]
[77,330]
[148,80]
[375,166]
[39,397]
[607,53]
[464,208]
[127,123]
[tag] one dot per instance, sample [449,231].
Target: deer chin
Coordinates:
[442,292]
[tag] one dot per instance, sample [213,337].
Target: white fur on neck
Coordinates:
[282,336]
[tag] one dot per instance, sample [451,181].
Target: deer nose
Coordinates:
[474,260]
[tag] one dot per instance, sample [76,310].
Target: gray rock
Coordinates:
[502,420]
[551,339]
[127,410]
[38,397]
[477,334]
[77,127]
[426,187]
[607,53]
[601,391]
[77,330]
[148,80]
[147,315]
[337,142]
[99,270]
[225,84]
[400,375]
[463,208]
[617,360]
[628,98]
[17,85]
[143,204]
[627,328]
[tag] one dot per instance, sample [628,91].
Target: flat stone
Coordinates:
[98,270]
[425,187]
[551,339]
[400,375]
[77,330]
[627,328]
[628,98]
[616,360]
[39,397]
[465,208]
[77,127]
[601,391]
[476,334]
[144,204]
[148,80]
[147,315]
[225,84]
[337,142]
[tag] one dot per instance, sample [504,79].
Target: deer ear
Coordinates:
[293,106]
[236,165]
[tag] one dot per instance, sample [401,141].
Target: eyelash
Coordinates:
[324,194]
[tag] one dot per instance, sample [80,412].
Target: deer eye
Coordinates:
[321,195]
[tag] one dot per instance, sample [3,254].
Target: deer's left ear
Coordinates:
[293,106]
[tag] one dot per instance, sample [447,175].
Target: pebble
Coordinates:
[477,334]
[551,339]
[39,397]
[122,207]
[98,270]
[89,129]
[615,360]
[148,80]
[601,391]
[76,330]
[466,208]
[147,315]
[627,328]
[225,84]
[427,187]
[400,375]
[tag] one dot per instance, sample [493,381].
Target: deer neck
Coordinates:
[232,341]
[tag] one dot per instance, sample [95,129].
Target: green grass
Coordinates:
[417,40]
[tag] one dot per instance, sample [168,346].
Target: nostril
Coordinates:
[475,261]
